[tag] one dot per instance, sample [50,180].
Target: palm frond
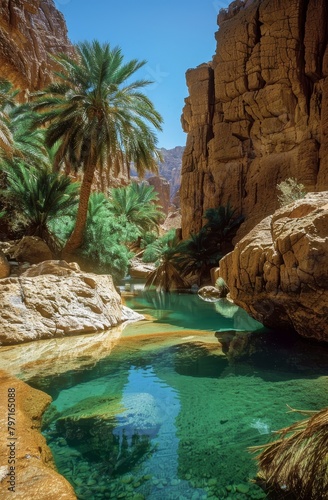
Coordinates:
[295,465]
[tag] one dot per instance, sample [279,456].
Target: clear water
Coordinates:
[170,413]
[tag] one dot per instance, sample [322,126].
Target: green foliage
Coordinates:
[163,248]
[38,197]
[136,209]
[222,224]
[198,254]
[100,117]
[7,102]
[204,250]
[290,190]
[221,285]
[164,252]
[102,243]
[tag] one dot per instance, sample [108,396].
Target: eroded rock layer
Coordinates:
[257,113]
[30,31]
[279,272]
[56,299]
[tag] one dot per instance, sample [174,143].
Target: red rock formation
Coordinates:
[258,113]
[30,30]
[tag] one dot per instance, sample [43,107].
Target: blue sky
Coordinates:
[172,35]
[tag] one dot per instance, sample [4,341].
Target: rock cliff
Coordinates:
[258,112]
[30,31]
[279,272]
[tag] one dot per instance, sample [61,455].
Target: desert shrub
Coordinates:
[289,191]
[221,285]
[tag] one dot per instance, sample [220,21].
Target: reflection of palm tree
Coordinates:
[130,453]
[99,119]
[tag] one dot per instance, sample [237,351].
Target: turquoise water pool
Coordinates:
[170,413]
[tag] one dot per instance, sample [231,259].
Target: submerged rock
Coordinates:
[55,299]
[279,272]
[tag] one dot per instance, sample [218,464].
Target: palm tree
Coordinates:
[222,225]
[166,277]
[136,204]
[197,255]
[294,466]
[100,117]
[38,196]
[7,102]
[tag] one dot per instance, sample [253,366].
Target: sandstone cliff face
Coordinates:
[258,113]
[30,30]
[279,272]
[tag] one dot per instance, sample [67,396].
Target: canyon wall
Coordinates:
[258,112]
[30,31]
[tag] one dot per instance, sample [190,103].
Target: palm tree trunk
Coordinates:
[76,238]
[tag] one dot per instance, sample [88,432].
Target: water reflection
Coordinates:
[171,411]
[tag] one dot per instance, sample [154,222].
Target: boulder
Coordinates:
[139,269]
[279,272]
[65,302]
[55,267]
[34,474]
[210,293]
[4,266]
[31,249]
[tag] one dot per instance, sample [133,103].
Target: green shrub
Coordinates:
[103,235]
[36,198]
[290,190]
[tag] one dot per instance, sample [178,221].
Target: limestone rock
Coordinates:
[210,293]
[30,31]
[279,272]
[55,267]
[258,112]
[35,474]
[140,269]
[55,305]
[4,266]
[172,221]
[32,249]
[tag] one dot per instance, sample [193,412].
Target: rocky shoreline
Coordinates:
[27,469]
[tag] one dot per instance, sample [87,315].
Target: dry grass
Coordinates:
[295,465]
